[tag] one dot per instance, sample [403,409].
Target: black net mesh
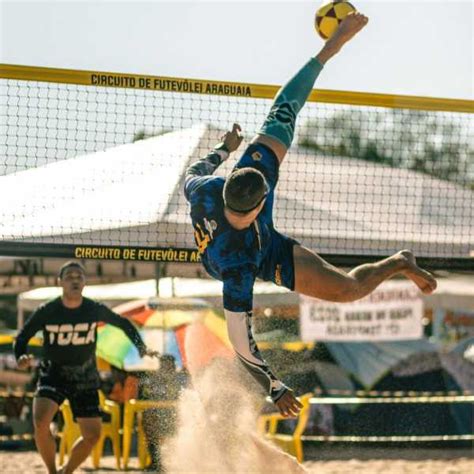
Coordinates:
[104,166]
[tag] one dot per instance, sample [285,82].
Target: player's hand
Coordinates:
[24,362]
[149,352]
[233,139]
[288,404]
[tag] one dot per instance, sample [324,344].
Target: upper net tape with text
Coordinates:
[98,159]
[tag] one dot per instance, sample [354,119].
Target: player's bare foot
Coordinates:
[348,28]
[423,279]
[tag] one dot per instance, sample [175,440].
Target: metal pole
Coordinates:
[160,271]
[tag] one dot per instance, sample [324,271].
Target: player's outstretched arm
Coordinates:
[238,285]
[108,316]
[206,166]
[230,141]
[246,349]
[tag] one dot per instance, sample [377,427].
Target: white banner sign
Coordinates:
[392,312]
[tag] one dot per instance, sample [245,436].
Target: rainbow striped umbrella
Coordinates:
[186,329]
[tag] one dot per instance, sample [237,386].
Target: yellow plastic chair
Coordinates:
[291,443]
[110,429]
[69,433]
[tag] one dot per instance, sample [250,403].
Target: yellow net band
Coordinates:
[231,89]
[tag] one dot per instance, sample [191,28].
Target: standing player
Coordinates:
[68,368]
[234,228]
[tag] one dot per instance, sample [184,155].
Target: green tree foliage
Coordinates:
[143,134]
[438,144]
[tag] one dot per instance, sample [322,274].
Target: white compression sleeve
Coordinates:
[239,328]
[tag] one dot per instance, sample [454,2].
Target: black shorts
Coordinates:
[278,266]
[79,384]
[84,404]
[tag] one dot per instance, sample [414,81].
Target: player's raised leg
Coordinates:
[317,278]
[278,129]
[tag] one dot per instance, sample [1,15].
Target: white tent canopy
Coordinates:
[102,198]
[131,195]
[265,294]
[110,294]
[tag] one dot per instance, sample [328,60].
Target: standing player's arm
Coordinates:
[32,326]
[207,165]
[238,286]
[108,316]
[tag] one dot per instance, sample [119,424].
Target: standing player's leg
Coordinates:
[44,411]
[278,129]
[317,278]
[85,407]
[90,434]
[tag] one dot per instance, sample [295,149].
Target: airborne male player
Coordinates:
[68,368]
[236,237]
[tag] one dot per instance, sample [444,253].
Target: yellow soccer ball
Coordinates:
[330,15]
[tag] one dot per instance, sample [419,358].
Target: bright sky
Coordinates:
[422,47]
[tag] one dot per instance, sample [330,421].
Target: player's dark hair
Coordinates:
[244,190]
[70,264]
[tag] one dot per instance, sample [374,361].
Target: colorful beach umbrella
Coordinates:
[165,313]
[187,329]
[116,348]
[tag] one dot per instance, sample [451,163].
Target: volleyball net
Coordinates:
[92,166]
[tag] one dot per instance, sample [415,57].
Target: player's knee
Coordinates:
[274,144]
[91,435]
[280,124]
[41,422]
